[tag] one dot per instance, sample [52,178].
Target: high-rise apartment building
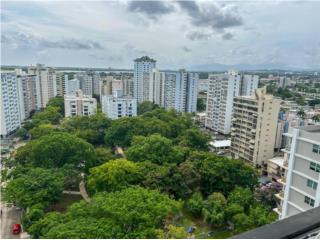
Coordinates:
[79,104]
[128,85]
[27,94]
[72,86]
[116,106]
[221,91]
[254,126]
[157,86]
[46,84]
[9,104]
[142,73]
[95,82]
[61,83]
[301,190]
[85,81]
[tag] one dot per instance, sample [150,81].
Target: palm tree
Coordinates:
[301,113]
[316,118]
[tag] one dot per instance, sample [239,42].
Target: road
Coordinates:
[9,217]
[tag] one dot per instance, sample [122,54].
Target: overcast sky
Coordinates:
[177,34]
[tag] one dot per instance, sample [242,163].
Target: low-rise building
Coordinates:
[79,104]
[116,106]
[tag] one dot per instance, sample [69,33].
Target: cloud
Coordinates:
[23,40]
[152,9]
[217,17]
[186,49]
[197,35]
[227,36]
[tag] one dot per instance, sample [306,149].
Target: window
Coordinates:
[316,148]
[312,184]
[309,201]
[315,166]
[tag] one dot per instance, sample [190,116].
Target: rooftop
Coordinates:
[220,143]
[144,59]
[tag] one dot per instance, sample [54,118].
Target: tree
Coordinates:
[242,222]
[195,204]
[42,130]
[314,102]
[184,180]
[104,155]
[49,115]
[232,210]
[56,150]
[201,106]
[221,174]
[113,175]
[213,211]
[130,213]
[154,148]
[241,196]
[122,131]
[146,106]
[261,216]
[172,232]
[90,128]
[22,133]
[57,102]
[34,186]
[194,138]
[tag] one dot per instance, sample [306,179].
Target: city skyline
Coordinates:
[176,34]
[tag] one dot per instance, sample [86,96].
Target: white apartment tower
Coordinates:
[27,94]
[79,104]
[254,126]
[142,73]
[46,84]
[61,83]
[72,86]
[9,104]
[221,91]
[301,190]
[116,106]
[85,81]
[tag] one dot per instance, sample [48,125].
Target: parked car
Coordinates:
[16,228]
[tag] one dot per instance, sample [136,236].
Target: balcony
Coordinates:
[280,195]
[282,181]
[278,210]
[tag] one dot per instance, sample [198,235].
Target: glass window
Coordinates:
[316,148]
[315,166]
[312,184]
[309,201]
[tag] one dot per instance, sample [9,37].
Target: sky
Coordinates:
[178,34]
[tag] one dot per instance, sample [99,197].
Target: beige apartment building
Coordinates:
[254,126]
[301,181]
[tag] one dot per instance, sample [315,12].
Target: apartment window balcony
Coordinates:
[280,195]
[278,210]
[282,180]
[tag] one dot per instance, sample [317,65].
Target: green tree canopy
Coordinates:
[34,186]
[213,211]
[56,150]
[195,204]
[241,196]
[146,106]
[113,175]
[130,213]
[194,138]
[154,148]
[201,106]
[57,102]
[42,130]
[49,115]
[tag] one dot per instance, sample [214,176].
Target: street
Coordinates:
[9,217]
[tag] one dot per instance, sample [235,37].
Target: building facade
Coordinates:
[61,83]
[116,106]
[142,73]
[85,82]
[79,104]
[9,104]
[27,94]
[72,86]
[221,91]
[46,84]
[254,126]
[301,190]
